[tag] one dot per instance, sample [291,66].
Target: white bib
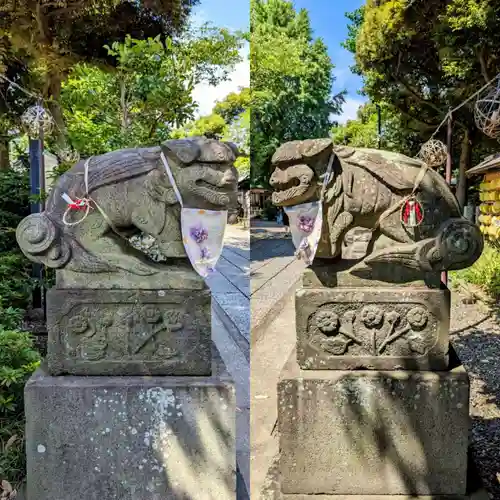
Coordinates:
[306,222]
[202,232]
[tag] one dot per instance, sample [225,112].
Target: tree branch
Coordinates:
[484,66]
[418,97]
[41,22]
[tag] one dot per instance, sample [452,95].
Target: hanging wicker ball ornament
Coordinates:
[433,153]
[35,119]
[68,155]
[487,112]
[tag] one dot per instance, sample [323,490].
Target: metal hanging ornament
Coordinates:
[433,153]
[68,155]
[487,111]
[37,119]
[412,213]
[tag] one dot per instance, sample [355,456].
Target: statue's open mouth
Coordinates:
[227,188]
[292,192]
[220,196]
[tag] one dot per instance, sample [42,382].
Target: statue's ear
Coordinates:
[158,190]
[185,150]
[232,146]
[314,147]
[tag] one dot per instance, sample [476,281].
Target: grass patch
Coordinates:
[484,273]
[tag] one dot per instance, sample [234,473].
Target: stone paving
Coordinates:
[230,287]
[274,272]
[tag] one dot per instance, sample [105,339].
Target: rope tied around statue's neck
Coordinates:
[85,203]
[397,206]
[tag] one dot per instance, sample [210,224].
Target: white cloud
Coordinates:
[206,95]
[349,110]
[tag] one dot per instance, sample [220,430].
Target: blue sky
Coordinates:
[328,22]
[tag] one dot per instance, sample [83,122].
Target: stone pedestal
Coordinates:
[374,435]
[373,404]
[129,332]
[131,438]
[373,432]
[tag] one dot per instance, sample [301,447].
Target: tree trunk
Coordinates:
[54,81]
[124,106]
[464,165]
[4,153]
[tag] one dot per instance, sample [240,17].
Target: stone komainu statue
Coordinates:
[373,189]
[130,194]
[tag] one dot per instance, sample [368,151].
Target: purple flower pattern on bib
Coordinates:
[306,223]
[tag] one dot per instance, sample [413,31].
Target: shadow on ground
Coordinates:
[481,357]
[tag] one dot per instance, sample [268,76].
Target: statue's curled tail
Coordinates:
[40,240]
[458,245]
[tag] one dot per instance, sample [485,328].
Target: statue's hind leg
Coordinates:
[97,238]
[338,229]
[393,228]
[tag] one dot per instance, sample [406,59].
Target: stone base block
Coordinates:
[130,438]
[272,490]
[372,328]
[129,332]
[373,433]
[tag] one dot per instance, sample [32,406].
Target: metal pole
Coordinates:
[42,208]
[449,145]
[35,153]
[379,126]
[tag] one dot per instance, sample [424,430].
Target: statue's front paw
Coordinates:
[173,249]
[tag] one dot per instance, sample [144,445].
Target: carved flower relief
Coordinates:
[417,343]
[94,350]
[328,322]
[152,314]
[372,316]
[104,322]
[417,317]
[337,345]
[393,317]
[78,324]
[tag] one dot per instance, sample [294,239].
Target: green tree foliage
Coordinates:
[229,121]
[363,131]
[56,35]
[239,132]
[291,81]
[212,126]
[233,105]
[424,57]
[150,92]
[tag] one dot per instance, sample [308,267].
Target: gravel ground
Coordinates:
[475,334]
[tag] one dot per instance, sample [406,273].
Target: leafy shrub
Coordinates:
[485,272]
[18,360]
[16,284]
[14,205]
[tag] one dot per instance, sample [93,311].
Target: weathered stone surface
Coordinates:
[129,332]
[130,438]
[129,193]
[325,273]
[380,191]
[178,277]
[272,490]
[378,328]
[373,433]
